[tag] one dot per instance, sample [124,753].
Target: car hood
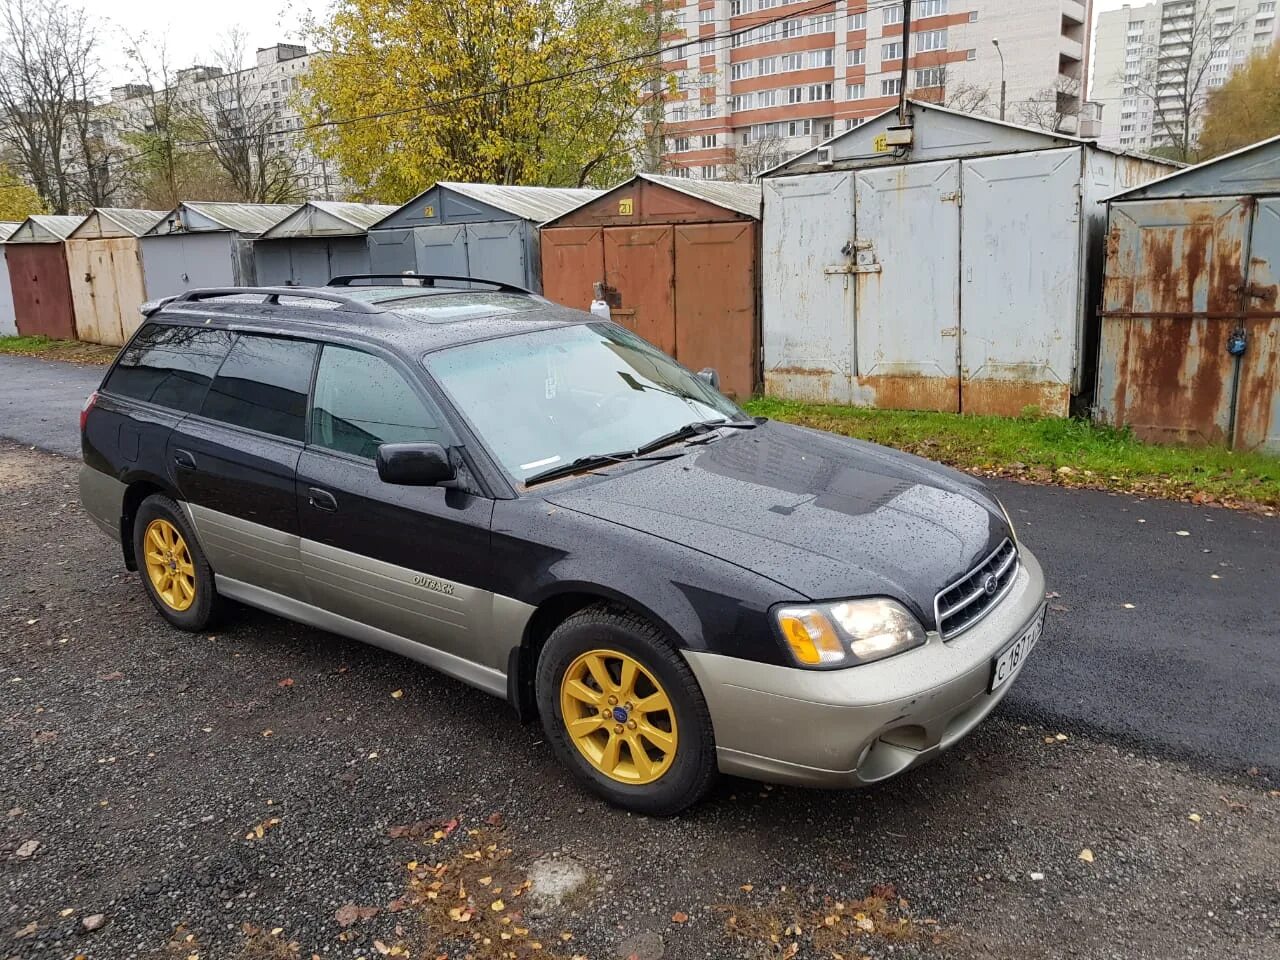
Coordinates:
[827,516]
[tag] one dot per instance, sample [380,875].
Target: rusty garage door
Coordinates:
[1188,350]
[41,290]
[721,331]
[572,260]
[639,264]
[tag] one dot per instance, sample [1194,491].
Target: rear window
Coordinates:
[263,386]
[170,365]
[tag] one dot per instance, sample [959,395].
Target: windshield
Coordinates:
[546,398]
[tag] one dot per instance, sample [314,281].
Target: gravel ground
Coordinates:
[139,765]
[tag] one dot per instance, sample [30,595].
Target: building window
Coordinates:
[858,57]
[679,144]
[799,128]
[706,111]
[890,88]
[933,77]
[891,51]
[681,172]
[741,71]
[737,7]
[678,115]
[707,16]
[893,14]
[791,61]
[855,91]
[931,8]
[791,28]
[795,95]
[973,16]
[820,58]
[819,91]
[828,128]
[706,47]
[858,21]
[708,173]
[766,66]
[708,141]
[931,40]
[971,54]
[767,98]
[823,24]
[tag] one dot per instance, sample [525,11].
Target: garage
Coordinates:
[37,261]
[679,263]
[104,263]
[471,230]
[206,245]
[320,240]
[7,325]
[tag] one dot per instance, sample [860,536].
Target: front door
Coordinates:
[411,561]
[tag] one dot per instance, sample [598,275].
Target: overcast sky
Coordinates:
[194,28]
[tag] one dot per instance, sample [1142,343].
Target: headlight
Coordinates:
[848,632]
[1012,532]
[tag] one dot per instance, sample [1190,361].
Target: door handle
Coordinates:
[322,499]
[183,460]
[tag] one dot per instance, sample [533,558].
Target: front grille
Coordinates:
[974,595]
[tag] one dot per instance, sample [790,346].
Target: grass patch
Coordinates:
[50,349]
[1051,450]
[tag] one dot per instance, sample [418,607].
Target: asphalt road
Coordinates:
[1164,633]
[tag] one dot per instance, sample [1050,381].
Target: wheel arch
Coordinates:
[137,490]
[551,611]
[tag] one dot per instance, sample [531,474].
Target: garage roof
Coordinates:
[249,219]
[329,218]
[116,222]
[44,228]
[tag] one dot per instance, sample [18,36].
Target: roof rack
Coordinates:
[272,295]
[426,280]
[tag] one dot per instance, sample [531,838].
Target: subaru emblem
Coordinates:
[991,585]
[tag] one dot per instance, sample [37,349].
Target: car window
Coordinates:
[170,365]
[262,385]
[362,401]
[548,397]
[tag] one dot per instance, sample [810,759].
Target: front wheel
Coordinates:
[624,713]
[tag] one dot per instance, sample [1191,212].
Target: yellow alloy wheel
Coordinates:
[169,565]
[618,716]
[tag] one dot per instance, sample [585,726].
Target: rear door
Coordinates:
[407,560]
[234,462]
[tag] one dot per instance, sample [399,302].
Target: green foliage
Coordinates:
[528,91]
[1037,447]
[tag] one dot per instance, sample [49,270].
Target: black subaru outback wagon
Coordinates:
[542,504]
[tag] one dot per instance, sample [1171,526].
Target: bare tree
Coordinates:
[48,71]
[1194,38]
[1050,107]
[751,159]
[239,122]
[958,95]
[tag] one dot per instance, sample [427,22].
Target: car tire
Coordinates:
[660,776]
[187,598]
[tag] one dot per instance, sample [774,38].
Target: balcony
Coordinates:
[1070,49]
[1073,11]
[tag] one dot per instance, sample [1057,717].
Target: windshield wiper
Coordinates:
[694,430]
[592,460]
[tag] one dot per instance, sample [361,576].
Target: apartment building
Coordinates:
[1141,52]
[758,81]
[264,92]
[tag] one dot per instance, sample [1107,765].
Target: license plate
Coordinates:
[1008,660]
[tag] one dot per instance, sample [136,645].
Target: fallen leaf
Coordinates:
[865,924]
[397,694]
[1183,533]
[1194,817]
[746,888]
[461,914]
[28,931]
[381,947]
[286,682]
[1086,855]
[485,881]
[26,849]
[268,732]
[93,922]
[1128,606]
[497,906]
[679,917]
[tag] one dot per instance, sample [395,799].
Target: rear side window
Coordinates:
[362,401]
[170,365]
[263,386]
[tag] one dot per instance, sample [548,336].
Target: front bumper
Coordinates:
[856,726]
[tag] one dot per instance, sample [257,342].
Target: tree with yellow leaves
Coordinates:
[18,200]
[548,92]
[1245,109]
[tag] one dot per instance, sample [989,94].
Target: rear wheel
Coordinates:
[624,713]
[174,570]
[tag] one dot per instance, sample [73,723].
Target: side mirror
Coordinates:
[414,464]
[708,376]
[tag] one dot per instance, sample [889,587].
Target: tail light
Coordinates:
[88,405]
